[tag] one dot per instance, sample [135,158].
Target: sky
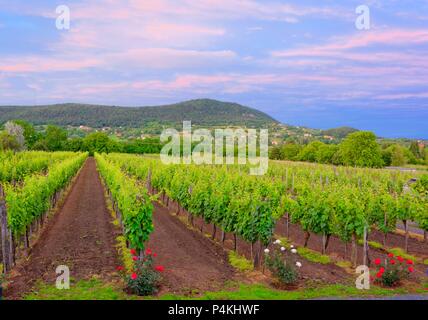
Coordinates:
[303,62]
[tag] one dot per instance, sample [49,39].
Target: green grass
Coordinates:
[92,289]
[375,245]
[240,262]
[313,256]
[262,292]
[344,264]
[403,254]
[284,241]
[372,244]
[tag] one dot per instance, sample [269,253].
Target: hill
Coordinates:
[339,133]
[203,112]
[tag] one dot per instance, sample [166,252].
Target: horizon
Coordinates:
[301,62]
[251,107]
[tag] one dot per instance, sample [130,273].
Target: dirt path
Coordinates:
[80,236]
[192,262]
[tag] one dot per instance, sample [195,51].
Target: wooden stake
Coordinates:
[5,246]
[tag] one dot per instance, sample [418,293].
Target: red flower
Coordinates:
[148,251]
[134,258]
[379,275]
[392,261]
[400,259]
[411,269]
[391,255]
[133,252]
[159,268]
[155,255]
[119,268]
[377,262]
[134,276]
[409,261]
[382,270]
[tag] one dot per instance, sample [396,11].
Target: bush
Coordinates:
[282,264]
[145,278]
[395,269]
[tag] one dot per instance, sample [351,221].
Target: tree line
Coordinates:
[359,149]
[19,135]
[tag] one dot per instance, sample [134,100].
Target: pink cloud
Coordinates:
[361,39]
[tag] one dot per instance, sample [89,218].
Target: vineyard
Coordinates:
[211,210]
[324,200]
[30,184]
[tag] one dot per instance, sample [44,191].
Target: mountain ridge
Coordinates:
[200,111]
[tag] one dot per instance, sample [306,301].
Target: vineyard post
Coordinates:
[292,183]
[354,254]
[4,234]
[189,214]
[406,237]
[365,248]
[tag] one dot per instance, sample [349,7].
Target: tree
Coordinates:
[415,150]
[361,149]
[99,142]
[397,155]
[308,153]
[55,138]
[275,153]
[30,133]
[326,153]
[8,142]
[17,132]
[74,144]
[290,151]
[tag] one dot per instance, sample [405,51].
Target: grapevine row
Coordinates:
[132,201]
[26,203]
[345,202]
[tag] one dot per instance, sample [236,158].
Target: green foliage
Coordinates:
[340,132]
[133,200]
[282,265]
[309,152]
[361,149]
[30,134]
[313,256]
[8,142]
[240,262]
[144,280]
[204,112]
[14,167]
[290,151]
[30,200]
[398,252]
[392,272]
[55,138]
[326,153]
[415,150]
[93,289]
[99,142]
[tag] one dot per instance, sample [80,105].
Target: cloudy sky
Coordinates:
[304,62]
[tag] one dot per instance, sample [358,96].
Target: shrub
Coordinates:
[393,270]
[145,277]
[282,263]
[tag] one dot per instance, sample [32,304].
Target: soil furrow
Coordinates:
[80,235]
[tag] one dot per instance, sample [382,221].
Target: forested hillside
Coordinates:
[201,112]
